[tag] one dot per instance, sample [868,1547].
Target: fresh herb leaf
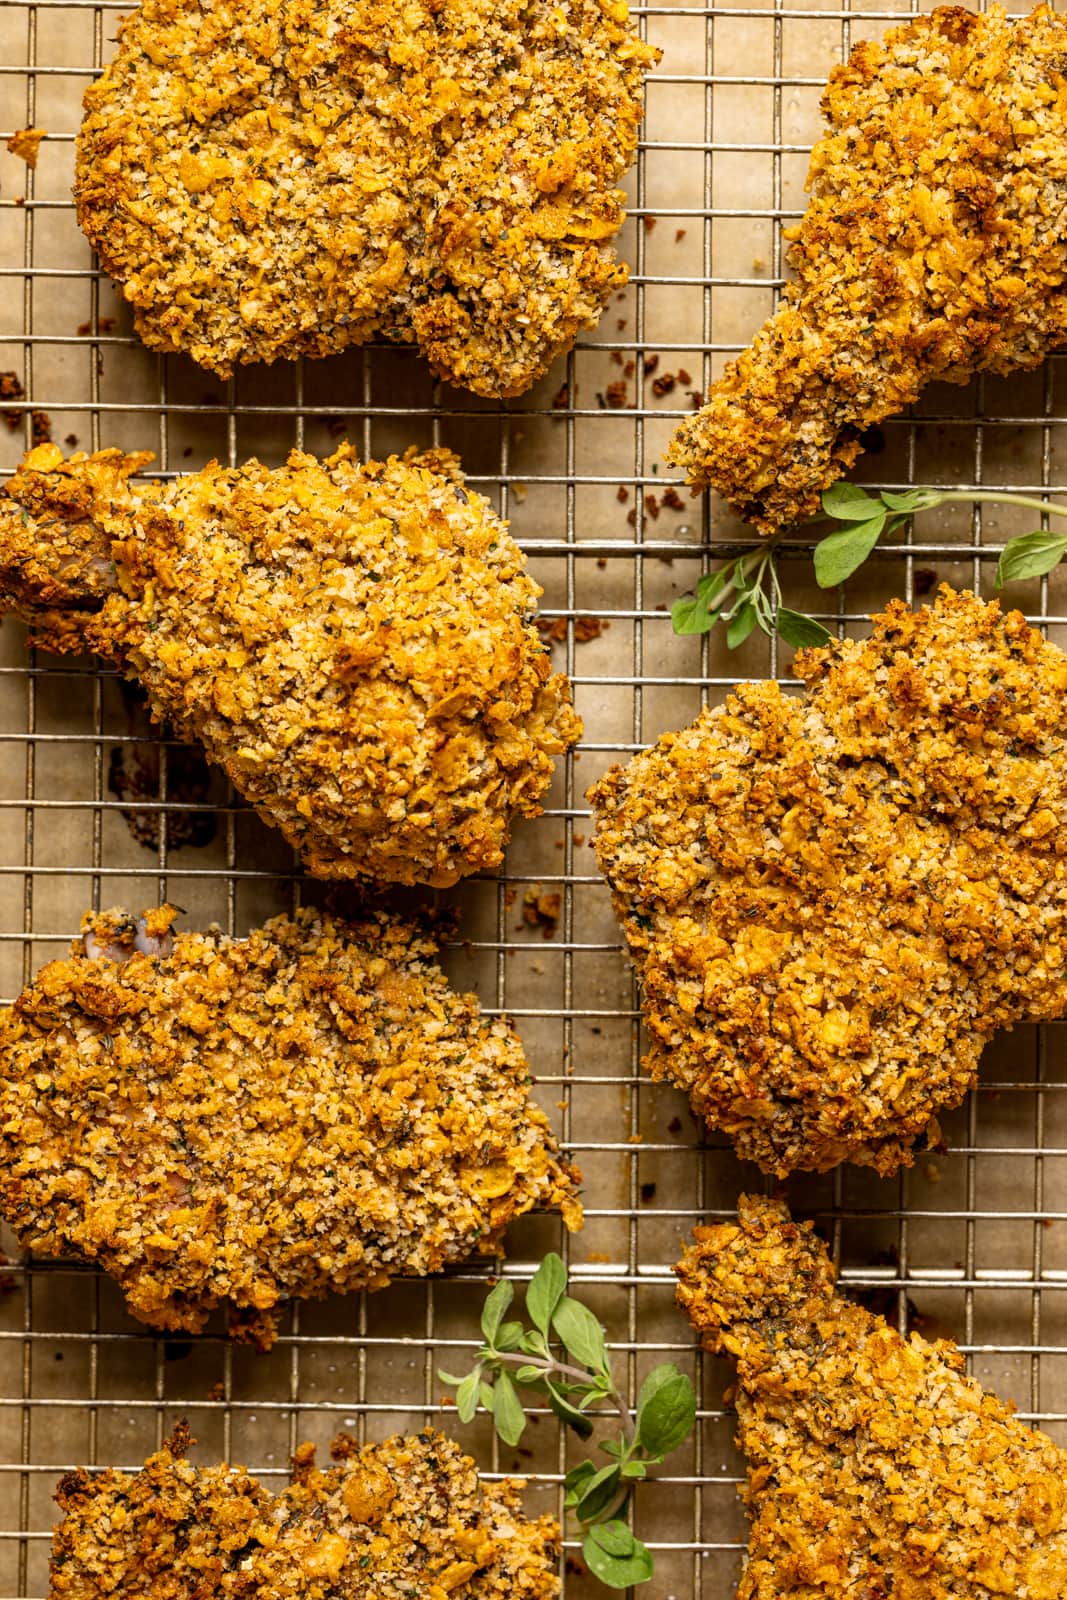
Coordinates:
[509,1419]
[508,1336]
[798,630]
[581,1333]
[485,1391]
[690,615]
[496,1304]
[529,1375]
[618,1572]
[575,1482]
[567,1413]
[742,625]
[467,1396]
[839,554]
[666,1412]
[448,1377]
[598,1493]
[547,1288]
[847,502]
[1031,555]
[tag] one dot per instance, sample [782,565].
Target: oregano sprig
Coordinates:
[746,592]
[516,1355]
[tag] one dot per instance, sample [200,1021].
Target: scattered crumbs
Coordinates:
[600,1257]
[617,357]
[40,427]
[661,606]
[674,1125]
[597,1031]
[663,384]
[602,562]
[652,506]
[672,500]
[636,1138]
[26,143]
[697,397]
[629,369]
[579,839]
[621,296]
[616,394]
[71,441]
[680,235]
[651,363]
[573,1566]
[932,1172]
[684,378]
[924,580]
[622,494]
[542,910]
[563,397]
[631,516]
[758,264]
[648,1193]
[11,389]
[585,628]
[621,324]
[104,325]
[217,1391]
[20,199]
[650,223]
[510,896]
[187,451]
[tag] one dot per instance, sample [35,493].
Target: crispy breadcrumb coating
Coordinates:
[834,899]
[310,1109]
[408,1519]
[353,644]
[933,247]
[877,1470]
[289,178]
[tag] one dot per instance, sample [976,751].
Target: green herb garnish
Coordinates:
[746,592]
[515,1356]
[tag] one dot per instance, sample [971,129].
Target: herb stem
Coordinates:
[1006,497]
[547,1365]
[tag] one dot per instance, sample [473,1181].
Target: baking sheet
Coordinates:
[974,1240]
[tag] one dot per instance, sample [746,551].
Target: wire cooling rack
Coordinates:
[95,809]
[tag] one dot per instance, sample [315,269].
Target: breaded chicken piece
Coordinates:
[933,247]
[240,1121]
[407,1519]
[877,1470]
[835,898]
[353,644]
[289,178]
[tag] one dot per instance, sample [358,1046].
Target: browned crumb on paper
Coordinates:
[26,144]
[219,1121]
[387,1521]
[542,909]
[11,389]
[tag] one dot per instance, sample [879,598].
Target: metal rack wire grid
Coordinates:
[97,809]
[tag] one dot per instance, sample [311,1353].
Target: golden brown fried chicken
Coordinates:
[353,644]
[408,1519]
[835,898]
[933,247]
[877,1471]
[293,177]
[218,1120]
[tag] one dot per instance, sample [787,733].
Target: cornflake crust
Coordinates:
[240,1121]
[933,247]
[875,1467]
[293,177]
[353,644]
[834,899]
[405,1518]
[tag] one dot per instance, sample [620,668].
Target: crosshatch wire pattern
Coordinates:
[969,1243]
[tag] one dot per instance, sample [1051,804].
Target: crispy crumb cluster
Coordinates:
[217,1120]
[835,898]
[354,644]
[289,178]
[407,1519]
[932,248]
[876,1468]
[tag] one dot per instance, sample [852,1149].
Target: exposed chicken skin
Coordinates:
[239,1121]
[297,176]
[835,899]
[934,246]
[877,1470]
[353,644]
[407,1519]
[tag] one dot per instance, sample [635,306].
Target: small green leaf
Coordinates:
[547,1288]
[485,1394]
[691,615]
[533,1343]
[666,1416]
[798,630]
[839,554]
[496,1304]
[467,1396]
[1031,555]
[509,1418]
[581,1334]
[912,500]
[742,625]
[598,1494]
[529,1375]
[575,1482]
[568,1413]
[509,1336]
[847,502]
[616,1538]
[448,1377]
[618,1572]
[634,1469]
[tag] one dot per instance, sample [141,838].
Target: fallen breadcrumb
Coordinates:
[26,144]
[217,1120]
[876,1469]
[301,175]
[353,644]
[834,899]
[406,1518]
[933,247]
